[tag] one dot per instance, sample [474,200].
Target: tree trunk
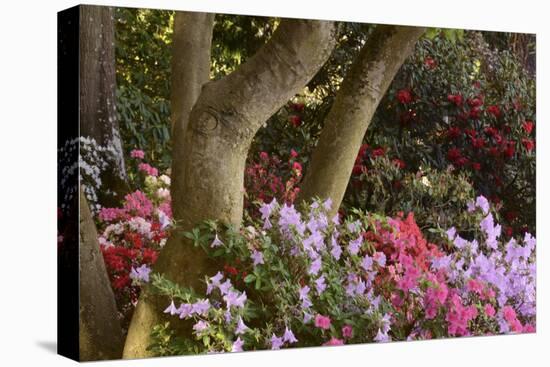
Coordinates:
[207,174]
[100,333]
[98,119]
[191,45]
[347,121]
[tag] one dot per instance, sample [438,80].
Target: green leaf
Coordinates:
[250,278]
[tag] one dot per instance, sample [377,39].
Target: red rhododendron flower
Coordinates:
[476,166]
[407,116]
[455,98]
[453,154]
[494,110]
[528,144]
[404,96]
[293,153]
[295,120]
[453,132]
[430,63]
[378,152]
[475,102]
[494,152]
[510,149]
[491,131]
[478,143]
[474,113]
[357,169]
[528,126]
[298,107]
[510,215]
[363,149]
[398,163]
[461,162]
[508,231]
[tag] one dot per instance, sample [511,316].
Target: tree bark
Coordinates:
[347,121]
[97,97]
[100,335]
[207,174]
[191,45]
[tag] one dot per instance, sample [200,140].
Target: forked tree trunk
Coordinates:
[100,335]
[349,117]
[207,175]
[98,118]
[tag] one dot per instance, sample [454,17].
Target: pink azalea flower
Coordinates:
[334,341]
[322,322]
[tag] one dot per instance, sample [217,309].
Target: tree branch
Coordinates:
[347,121]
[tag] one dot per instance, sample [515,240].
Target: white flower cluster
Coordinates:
[93,160]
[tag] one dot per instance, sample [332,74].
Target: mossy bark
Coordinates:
[348,119]
[207,173]
[100,335]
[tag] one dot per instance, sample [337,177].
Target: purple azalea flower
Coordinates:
[307,317]
[276,342]
[320,284]
[482,203]
[355,245]
[141,273]
[172,310]
[381,337]
[336,219]
[225,286]
[227,316]
[241,327]
[304,291]
[306,303]
[289,336]
[216,242]
[265,210]
[315,266]
[471,206]
[237,345]
[233,298]
[267,224]
[201,307]
[386,322]
[327,204]
[214,282]
[354,226]
[200,326]
[380,258]
[336,251]
[360,287]
[367,263]
[451,232]
[185,310]
[257,257]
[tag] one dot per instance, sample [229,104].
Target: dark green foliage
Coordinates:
[143,56]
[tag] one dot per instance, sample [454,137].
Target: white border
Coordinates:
[28,180]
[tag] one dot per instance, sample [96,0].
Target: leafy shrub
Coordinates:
[464,105]
[269,177]
[131,236]
[312,280]
[143,56]
[436,198]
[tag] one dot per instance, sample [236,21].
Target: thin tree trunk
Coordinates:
[347,121]
[207,176]
[98,119]
[100,334]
